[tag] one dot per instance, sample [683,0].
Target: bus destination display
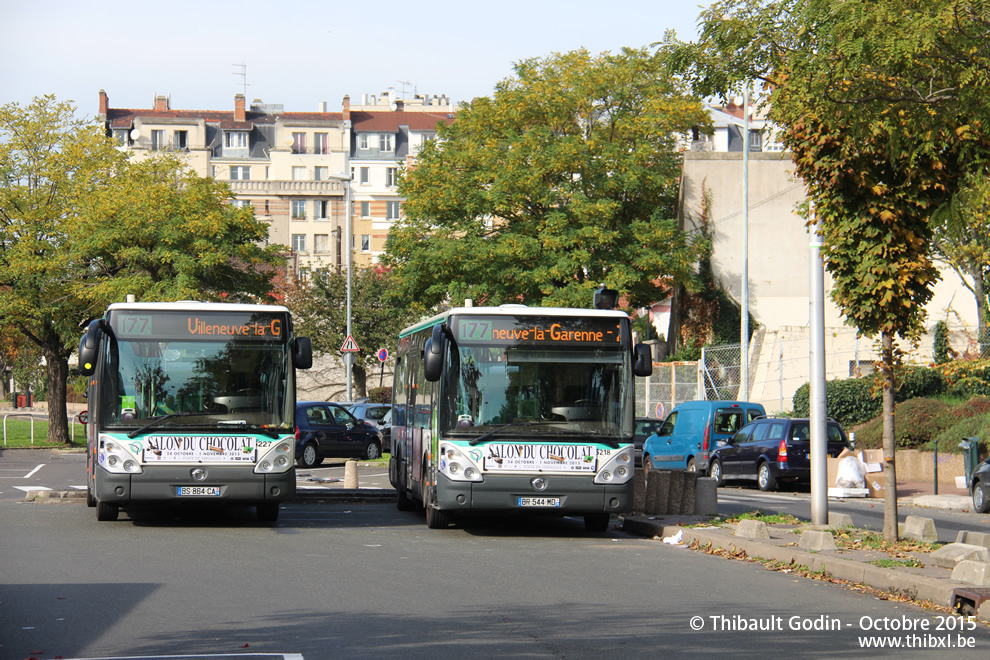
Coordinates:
[544,330]
[198,326]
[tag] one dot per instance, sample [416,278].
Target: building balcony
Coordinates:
[289,188]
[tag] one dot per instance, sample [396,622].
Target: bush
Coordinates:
[949,438]
[917,422]
[967,378]
[379,395]
[848,401]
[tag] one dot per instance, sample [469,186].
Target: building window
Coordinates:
[385,142]
[391,210]
[320,144]
[365,243]
[365,209]
[363,141]
[180,139]
[157,140]
[299,242]
[298,173]
[321,207]
[298,143]
[321,243]
[268,171]
[235,139]
[267,208]
[240,173]
[298,209]
[240,203]
[391,175]
[321,173]
[121,136]
[365,175]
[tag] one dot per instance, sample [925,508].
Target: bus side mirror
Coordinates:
[433,354]
[89,347]
[302,356]
[643,365]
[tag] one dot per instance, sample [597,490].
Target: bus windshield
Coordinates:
[553,376]
[211,379]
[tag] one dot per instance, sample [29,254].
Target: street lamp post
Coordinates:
[744,323]
[349,357]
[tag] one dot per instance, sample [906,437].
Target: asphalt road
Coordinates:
[335,580]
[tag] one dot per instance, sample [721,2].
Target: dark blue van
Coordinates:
[693,430]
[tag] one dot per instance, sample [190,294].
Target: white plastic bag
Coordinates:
[851,473]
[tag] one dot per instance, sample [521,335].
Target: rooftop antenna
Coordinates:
[404,83]
[243,74]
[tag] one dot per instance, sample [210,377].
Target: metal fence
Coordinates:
[670,384]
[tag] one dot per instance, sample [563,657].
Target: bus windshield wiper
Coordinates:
[529,422]
[158,420]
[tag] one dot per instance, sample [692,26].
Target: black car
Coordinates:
[979,486]
[325,430]
[645,427]
[772,449]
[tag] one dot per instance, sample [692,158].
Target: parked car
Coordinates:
[773,449]
[692,430]
[369,412]
[645,427]
[385,428]
[979,487]
[325,430]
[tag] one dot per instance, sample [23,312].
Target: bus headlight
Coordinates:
[117,458]
[617,469]
[457,466]
[277,458]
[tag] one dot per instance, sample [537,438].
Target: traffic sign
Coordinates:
[383,354]
[350,346]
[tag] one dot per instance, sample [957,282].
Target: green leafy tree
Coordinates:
[319,308]
[962,240]
[566,178]
[81,226]
[882,104]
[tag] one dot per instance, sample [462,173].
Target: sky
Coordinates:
[302,52]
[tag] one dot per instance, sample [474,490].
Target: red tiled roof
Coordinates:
[122,117]
[390,121]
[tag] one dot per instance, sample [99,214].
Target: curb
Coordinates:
[919,587]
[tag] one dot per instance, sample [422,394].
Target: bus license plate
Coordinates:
[538,501]
[199,491]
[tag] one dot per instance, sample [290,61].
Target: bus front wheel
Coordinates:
[596,522]
[106,511]
[435,518]
[267,512]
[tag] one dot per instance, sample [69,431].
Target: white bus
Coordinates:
[516,409]
[191,402]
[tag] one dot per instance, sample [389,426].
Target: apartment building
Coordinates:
[296,168]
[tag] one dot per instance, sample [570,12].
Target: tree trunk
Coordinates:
[889,470]
[57,371]
[979,290]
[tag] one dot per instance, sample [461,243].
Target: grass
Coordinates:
[896,563]
[860,539]
[18,434]
[768,518]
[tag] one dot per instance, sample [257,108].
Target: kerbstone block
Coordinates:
[752,529]
[918,528]
[972,572]
[836,520]
[949,555]
[973,538]
[812,539]
[705,497]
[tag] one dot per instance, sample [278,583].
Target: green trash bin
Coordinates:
[971,456]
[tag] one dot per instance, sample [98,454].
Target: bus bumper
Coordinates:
[571,495]
[238,485]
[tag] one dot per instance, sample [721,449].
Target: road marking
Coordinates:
[26,476]
[28,489]
[281,656]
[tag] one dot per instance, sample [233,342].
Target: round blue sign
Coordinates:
[383,354]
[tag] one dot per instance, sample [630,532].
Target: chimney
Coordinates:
[161,102]
[346,107]
[239,114]
[399,105]
[104,103]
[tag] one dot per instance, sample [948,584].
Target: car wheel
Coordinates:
[715,472]
[765,477]
[372,451]
[307,457]
[267,512]
[597,522]
[981,497]
[691,467]
[647,465]
[106,511]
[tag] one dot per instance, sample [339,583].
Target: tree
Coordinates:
[566,178]
[81,226]
[962,240]
[319,308]
[880,102]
